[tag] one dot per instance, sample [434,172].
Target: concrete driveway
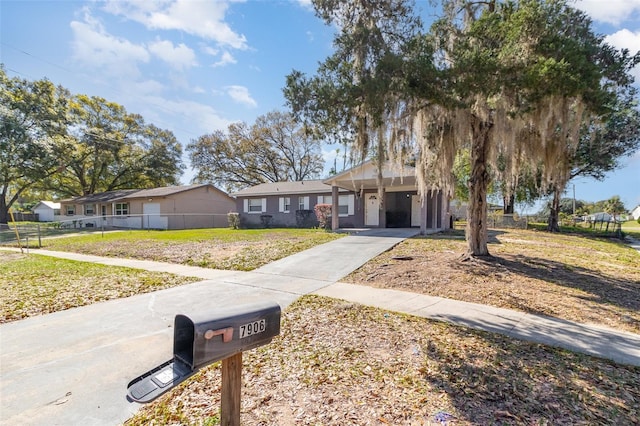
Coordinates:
[72,367]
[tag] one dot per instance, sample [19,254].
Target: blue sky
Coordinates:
[194,66]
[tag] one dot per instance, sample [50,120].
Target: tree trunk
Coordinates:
[477,233]
[509,203]
[4,211]
[554,212]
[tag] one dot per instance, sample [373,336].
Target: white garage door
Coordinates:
[152,219]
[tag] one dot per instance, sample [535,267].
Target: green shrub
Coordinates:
[234,220]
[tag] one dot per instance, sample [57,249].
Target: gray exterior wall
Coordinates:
[288,219]
[397,211]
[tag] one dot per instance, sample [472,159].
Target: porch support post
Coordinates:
[423,215]
[382,212]
[434,209]
[335,219]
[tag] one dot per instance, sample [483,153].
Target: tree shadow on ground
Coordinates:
[604,289]
[515,382]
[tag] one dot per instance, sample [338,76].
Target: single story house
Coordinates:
[635,213]
[171,207]
[47,211]
[354,195]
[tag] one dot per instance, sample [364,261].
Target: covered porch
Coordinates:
[398,205]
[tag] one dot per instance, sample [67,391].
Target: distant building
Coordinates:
[47,211]
[635,213]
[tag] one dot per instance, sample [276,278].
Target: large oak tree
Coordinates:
[114,149]
[33,125]
[276,148]
[515,80]
[69,145]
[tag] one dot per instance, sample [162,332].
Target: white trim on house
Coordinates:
[283,205]
[251,203]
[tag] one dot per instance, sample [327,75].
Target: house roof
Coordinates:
[103,197]
[364,176]
[285,188]
[166,190]
[128,194]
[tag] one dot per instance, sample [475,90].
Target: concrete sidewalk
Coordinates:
[72,367]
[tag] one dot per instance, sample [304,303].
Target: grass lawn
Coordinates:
[342,364]
[218,248]
[33,285]
[632,228]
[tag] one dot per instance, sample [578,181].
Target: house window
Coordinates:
[345,203]
[255,205]
[121,209]
[71,210]
[325,199]
[343,210]
[303,203]
[88,209]
[284,205]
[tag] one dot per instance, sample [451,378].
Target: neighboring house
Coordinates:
[172,207]
[354,194]
[635,213]
[458,209]
[47,211]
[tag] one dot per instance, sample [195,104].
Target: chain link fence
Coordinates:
[35,232]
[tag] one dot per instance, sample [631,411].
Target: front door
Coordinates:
[416,210]
[372,210]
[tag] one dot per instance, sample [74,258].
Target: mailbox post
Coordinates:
[201,339]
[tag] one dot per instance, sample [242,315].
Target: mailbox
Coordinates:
[200,339]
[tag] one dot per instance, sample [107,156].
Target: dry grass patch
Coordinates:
[33,285]
[577,278]
[240,250]
[337,363]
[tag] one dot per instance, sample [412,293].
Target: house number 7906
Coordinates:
[253,328]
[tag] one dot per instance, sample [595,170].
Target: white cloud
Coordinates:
[306,4]
[610,11]
[240,94]
[95,48]
[625,39]
[226,59]
[204,118]
[205,19]
[179,57]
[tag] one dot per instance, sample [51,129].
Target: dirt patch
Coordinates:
[569,277]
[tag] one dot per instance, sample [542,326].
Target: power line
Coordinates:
[76,75]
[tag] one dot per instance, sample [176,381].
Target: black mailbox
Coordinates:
[201,339]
